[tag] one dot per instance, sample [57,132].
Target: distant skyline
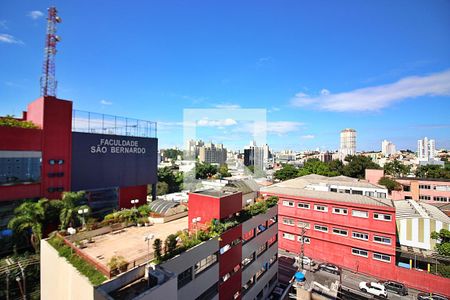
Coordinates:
[317,67]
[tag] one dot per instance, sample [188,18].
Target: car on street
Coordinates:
[373,288]
[431,296]
[395,287]
[306,261]
[330,268]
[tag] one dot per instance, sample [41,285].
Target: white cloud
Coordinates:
[216,123]
[35,14]
[324,92]
[9,39]
[227,106]
[283,127]
[378,97]
[308,137]
[105,102]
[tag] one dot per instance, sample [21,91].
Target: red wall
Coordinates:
[230,204]
[228,261]
[126,194]
[20,139]
[203,206]
[20,191]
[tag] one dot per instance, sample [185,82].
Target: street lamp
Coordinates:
[148,238]
[83,212]
[195,221]
[134,202]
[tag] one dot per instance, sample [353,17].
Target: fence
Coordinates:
[84,121]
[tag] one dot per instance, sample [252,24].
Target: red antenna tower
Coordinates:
[48,79]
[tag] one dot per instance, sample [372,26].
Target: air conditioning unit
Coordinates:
[156,276]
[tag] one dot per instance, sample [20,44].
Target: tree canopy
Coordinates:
[173,181]
[443,238]
[204,170]
[357,165]
[396,168]
[433,171]
[390,184]
[172,154]
[10,121]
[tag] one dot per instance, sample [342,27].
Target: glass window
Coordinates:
[382,217]
[184,278]
[288,236]
[360,236]
[340,231]
[360,213]
[339,210]
[382,257]
[205,263]
[360,252]
[321,228]
[209,293]
[288,221]
[246,261]
[261,249]
[303,224]
[18,167]
[303,205]
[321,208]
[248,235]
[304,240]
[382,240]
[288,203]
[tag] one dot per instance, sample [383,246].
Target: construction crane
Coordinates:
[48,79]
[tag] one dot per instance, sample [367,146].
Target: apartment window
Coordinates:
[304,240]
[248,285]
[248,235]
[260,273]
[381,195]
[288,236]
[357,192]
[340,231]
[261,228]
[321,228]
[360,236]
[382,257]
[360,252]
[184,278]
[272,240]
[339,211]
[246,261]
[287,221]
[370,194]
[442,188]
[382,240]
[261,249]
[288,203]
[205,263]
[441,199]
[407,188]
[382,217]
[424,187]
[333,190]
[272,220]
[273,259]
[303,225]
[360,213]
[424,197]
[303,205]
[321,208]
[209,293]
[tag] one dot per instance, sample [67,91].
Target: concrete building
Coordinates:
[416,221]
[388,148]
[348,143]
[213,154]
[426,152]
[257,156]
[352,231]
[423,189]
[193,149]
[240,263]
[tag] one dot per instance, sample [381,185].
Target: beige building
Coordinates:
[213,154]
[348,143]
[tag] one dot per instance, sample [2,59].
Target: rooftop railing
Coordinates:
[84,121]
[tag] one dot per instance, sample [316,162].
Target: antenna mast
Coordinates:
[48,79]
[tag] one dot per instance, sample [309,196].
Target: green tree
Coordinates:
[443,238]
[10,121]
[172,154]
[204,170]
[315,166]
[357,165]
[390,184]
[30,215]
[223,171]
[170,244]
[162,188]
[287,172]
[433,171]
[396,168]
[173,179]
[157,248]
[71,202]
[336,166]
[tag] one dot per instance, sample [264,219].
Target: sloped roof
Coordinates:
[407,209]
[162,206]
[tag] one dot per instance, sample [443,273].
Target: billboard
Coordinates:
[103,160]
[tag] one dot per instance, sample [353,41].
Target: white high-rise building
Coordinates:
[426,149]
[348,143]
[213,154]
[388,148]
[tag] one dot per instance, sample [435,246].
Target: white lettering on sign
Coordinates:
[117,147]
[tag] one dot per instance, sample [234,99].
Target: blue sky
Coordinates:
[381,67]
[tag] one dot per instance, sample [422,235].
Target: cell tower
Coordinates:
[48,79]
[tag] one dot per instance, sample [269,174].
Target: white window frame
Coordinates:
[339,231]
[382,237]
[303,205]
[288,203]
[382,257]
[306,240]
[288,219]
[287,236]
[337,211]
[382,217]
[360,211]
[358,252]
[318,207]
[303,224]
[360,238]
[320,228]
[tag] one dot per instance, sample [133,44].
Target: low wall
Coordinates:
[160,220]
[423,281]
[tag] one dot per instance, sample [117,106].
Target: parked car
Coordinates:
[330,268]
[395,287]
[373,288]
[306,261]
[431,296]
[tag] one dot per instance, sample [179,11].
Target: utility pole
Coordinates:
[302,244]
[23,279]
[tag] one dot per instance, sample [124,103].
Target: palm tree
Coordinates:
[30,215]
[70,203]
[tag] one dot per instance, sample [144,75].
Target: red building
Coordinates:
[55,157]
[352,231]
